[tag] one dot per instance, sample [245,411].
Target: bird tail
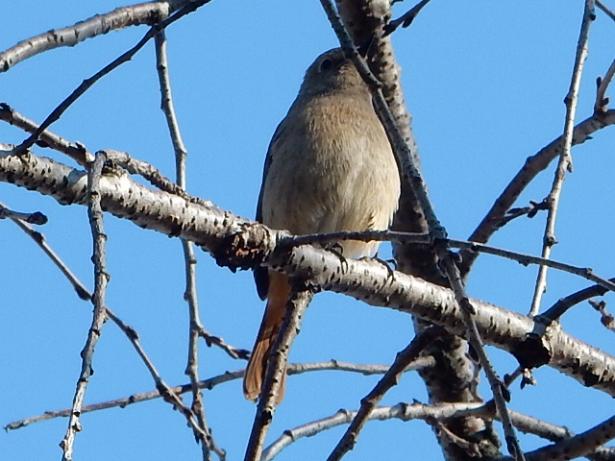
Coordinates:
[277,298]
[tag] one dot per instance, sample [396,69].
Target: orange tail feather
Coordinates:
[277,298]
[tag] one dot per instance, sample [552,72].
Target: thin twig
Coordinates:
[83,156]
[232,351]
[470,247]
[276,366]
[529,211]
[390,379]
[99,316]
[500,393]
[88,82]
[562,305]
[40,240]
[605,318]
[565,160]
[402,411]
[405,19]
[602,102]
[605,9]
[207,442]
[522,258]
[532,166]
[76,151]
[578,445]
[162,388]
[210,383]
[365,236]
[37,217]
[133,15]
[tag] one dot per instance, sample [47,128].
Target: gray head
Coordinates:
[332,72]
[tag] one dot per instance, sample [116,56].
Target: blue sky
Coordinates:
[485,82]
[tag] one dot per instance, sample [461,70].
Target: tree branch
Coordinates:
[240,243]
[390,379]
[57,112]
[205,437]
[210,383]
[276,367]
[141,13]
[101,278]
[532,166]
[565,160]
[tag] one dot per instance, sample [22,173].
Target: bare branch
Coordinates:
[231,351]
[37,217]
[237,242]
[390,379]
[602,102]
[424,239]
[76,151]
[88,82]
[562,305]
[101,278]
[276,367]
[210,383]
[500,393]
[605,9]
[402,411]
[533,165]
[133,15]
[522,258]
[81,155]
[565,160]
[205,437]
[405,19]
[40,240]
[408,412]
[579,445]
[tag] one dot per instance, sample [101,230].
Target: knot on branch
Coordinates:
[245,249]
[533,351]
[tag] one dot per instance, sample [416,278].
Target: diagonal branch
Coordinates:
[142,13]
[390,379]
[583,131]
[565,160]
[276,367]
[88,82]
[240,243]
[578,445]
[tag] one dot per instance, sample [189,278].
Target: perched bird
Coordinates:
[329,168]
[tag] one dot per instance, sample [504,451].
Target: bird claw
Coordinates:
[387,263]
[338,250]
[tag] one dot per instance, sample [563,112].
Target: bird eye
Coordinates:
[326,64]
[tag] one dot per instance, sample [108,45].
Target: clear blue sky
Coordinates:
[485,82]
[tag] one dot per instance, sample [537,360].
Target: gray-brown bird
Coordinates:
[329,168]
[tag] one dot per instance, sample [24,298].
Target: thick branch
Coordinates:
[237,242]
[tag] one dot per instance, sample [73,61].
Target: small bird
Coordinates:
[329,167]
